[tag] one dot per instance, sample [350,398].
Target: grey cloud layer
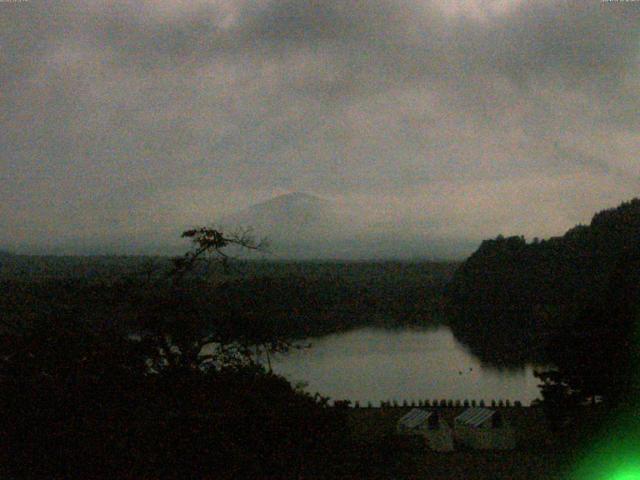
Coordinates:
[119,117]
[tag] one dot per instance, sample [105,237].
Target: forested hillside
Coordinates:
[510,295]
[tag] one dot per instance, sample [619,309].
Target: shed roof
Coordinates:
[475,416]
[414,418]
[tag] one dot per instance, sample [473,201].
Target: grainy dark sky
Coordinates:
[474,117]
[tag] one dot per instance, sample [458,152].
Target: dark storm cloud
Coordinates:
[120,117]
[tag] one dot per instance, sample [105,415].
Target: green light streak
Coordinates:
[625,475]
[616,454]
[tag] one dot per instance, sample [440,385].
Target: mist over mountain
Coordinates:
[297,225]
[294,215]
[303,226]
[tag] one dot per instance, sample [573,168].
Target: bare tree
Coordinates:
[237,338]
[209,244]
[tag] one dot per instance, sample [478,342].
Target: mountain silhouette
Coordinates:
[285,215]
[297,225]
[304,226]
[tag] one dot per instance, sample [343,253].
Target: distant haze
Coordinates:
[299,225]
[418,124]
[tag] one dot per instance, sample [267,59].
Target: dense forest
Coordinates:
[567,270]
[511,300]
[293,299]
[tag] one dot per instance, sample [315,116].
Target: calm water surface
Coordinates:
[374,364]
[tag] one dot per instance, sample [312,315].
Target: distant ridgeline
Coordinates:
[510,296]
[293,299]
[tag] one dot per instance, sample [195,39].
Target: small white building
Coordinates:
[437,434]
[483,429]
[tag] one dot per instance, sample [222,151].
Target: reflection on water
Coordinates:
[375,364]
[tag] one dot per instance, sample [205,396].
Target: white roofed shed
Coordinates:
[437,434]
[483,428]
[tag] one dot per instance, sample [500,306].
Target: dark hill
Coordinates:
[510,295]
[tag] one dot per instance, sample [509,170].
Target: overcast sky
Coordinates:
[466,117]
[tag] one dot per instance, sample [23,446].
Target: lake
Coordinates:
[376,364]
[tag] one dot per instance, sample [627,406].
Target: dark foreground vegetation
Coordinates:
[110,380]
[85,404]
